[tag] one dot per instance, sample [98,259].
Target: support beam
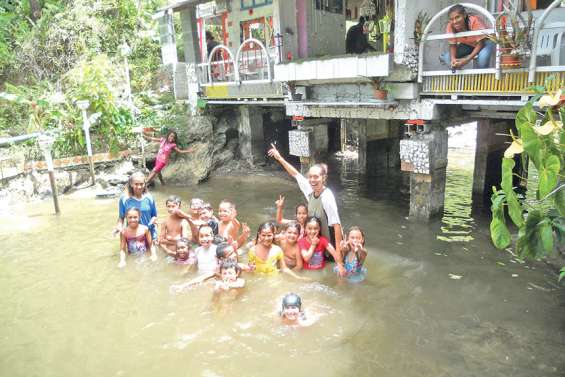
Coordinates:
[251,140]
[427,191]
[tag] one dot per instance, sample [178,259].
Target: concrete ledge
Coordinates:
[350,67]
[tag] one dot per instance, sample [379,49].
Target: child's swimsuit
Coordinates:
[137,244]
[268,266]
[317,261]
[355,270]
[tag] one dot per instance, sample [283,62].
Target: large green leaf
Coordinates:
[559,227]
[529,242]
[499,233]
[514,207]
[559,200]
[507,167]
[548,175]
[546,235]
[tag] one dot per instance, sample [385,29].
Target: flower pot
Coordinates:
[507,60]
[380,94]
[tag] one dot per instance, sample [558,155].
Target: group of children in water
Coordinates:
[287,246]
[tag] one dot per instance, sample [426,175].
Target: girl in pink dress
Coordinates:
[166,147]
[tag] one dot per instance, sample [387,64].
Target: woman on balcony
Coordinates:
[463,50]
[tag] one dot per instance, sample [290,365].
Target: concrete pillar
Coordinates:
[491,144]
[382,145]
[167,39]
[251,140]
[192,58]
[362,145]
[190,41]
[427,190]
[481,155]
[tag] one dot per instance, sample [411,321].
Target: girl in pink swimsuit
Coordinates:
[166,147]
[135,238]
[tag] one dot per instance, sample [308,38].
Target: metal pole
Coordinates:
[83,105]
[46,143]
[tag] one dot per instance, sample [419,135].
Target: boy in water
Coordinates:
[229,226]
[291,310]
[229,277]
[174,227]
[207,216]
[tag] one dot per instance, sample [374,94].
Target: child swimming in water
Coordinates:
[174,227]
[291,309]
[229,277]
[229,226]
[290,248]
[183,252]
[354,255]
[207,216]
[225,251]
[166,147]
[266,257]
[135,239]
[313,245]
[301,213]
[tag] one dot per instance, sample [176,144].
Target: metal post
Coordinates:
[46,144]
[125,51]
[83,105]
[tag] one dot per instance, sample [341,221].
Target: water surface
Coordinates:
[67,310]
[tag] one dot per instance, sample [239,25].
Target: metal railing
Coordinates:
[539,26]
[252,64]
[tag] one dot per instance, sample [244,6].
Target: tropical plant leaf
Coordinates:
[546,235]
[548,175]
[499,233]
[559,200]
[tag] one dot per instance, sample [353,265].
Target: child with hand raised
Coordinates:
[313,245]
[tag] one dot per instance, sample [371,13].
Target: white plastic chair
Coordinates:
[549,41]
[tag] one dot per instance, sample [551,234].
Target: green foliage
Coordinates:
[540,222]
[71,48]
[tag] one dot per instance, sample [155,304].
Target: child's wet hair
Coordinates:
[356,228]
[230,203]
[266,225]
[295,225]
[301,205]
[207,206]
[184,241]
[228,264]
[196,203]
[135,209]
[205,226]
[173,199]
[221,250]
[219,239]
[314,219]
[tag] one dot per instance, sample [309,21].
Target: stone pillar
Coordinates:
[192,56]
[251,141]
[427,180]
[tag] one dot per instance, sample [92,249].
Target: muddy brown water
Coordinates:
[67,310]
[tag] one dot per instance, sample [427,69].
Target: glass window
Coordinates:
[248,4]
[332,6]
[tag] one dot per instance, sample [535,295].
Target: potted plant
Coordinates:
[512,36]
[380,90]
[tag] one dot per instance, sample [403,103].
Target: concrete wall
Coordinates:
[326,32]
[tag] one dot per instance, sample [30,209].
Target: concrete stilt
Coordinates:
[490,147]
[427,191]
[251,141]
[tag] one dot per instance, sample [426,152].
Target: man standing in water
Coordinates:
[321,200]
